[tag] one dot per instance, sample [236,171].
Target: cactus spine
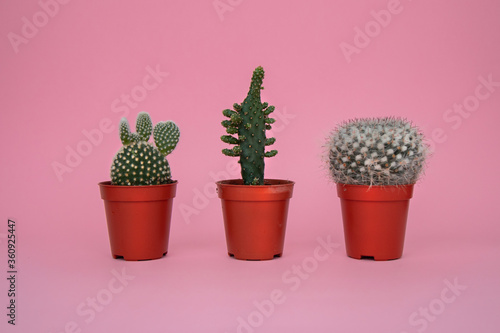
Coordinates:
[139,162]
[250,120]
[380,151]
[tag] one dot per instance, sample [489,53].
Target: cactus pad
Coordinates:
[139,162]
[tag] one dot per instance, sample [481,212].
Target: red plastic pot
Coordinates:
[374,219]
[138,219]
[255,217]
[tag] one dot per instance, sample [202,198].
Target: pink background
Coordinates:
[69,76]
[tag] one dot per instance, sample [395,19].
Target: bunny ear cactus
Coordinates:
[139,162]
[249,121]
[380,151]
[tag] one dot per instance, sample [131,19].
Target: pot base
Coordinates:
[260,258]
[132,258]
[375,258]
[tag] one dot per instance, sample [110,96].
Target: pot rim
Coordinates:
[137,193]
[376,186]
[107,183]
[280,190]
[375,192]
[236,183]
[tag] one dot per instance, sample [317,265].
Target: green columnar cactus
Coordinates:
[249,121]
[139,162]
[380,151]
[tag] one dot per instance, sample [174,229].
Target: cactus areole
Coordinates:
[249,122]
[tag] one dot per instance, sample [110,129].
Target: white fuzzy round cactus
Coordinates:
[377,151]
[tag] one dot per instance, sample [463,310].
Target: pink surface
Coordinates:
[73,75]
